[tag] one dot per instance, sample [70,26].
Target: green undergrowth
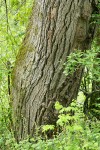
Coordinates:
[77,133]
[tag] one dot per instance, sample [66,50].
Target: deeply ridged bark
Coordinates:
[56,29]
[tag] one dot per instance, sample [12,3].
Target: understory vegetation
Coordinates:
[78,126]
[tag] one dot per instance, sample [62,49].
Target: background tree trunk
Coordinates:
[56,29]
[95,96]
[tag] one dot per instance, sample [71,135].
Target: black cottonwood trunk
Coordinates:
[56,28]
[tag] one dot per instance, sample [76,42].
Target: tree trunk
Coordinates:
[95,96]
[56,29]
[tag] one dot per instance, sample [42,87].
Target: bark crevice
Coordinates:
[56,29]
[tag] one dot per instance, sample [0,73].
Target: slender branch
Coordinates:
[89,94]
[7,15]
[9,73]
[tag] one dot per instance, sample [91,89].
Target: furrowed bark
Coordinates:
[56,29]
